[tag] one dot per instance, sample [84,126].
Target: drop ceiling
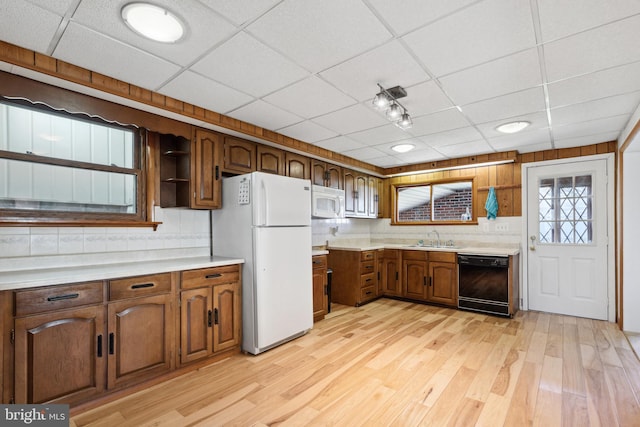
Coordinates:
[309,69]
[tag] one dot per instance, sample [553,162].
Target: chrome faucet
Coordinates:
[437,242]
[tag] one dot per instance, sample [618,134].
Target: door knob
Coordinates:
[532,247]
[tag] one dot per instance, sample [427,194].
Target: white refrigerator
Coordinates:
[266,219]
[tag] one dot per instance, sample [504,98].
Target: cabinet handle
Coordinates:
[397,276]
[213,276]
[430,281]
[63,297]
[368,280]
[111,343]
[217,172]
[99,345]
[143,285]
[215,316]
[315,261]
[209,313]
[368,292]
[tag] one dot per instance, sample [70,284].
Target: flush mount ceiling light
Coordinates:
[403,148]
[512,127]
[387,100]
[153,22]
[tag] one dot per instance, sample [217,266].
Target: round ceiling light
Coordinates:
[153,22]
[403,148]
[512,127]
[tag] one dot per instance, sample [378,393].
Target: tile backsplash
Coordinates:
[183,232]
[503,231]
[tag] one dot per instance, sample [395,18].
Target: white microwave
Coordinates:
[327,202]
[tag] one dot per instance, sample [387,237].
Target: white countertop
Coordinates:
[56,276]
[465,250]
[315,252]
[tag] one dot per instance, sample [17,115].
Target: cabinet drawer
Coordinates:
[443,256]
[367,267]
[319,261]
[41,300]
[367,280]
[131,287]
[367,255]
[210,276]
[367,293]
[417,255]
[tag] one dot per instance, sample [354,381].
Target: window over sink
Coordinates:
[58,168]
[438,202]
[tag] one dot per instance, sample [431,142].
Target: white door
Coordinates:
[567,238]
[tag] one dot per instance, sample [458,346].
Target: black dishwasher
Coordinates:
[483,284]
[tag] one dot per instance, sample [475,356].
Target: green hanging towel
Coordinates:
[492,204]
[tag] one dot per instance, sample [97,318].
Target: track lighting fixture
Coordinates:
[387,100]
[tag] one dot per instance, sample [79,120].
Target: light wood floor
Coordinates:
[397,363]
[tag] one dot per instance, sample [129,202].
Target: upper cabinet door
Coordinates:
[298,166]
[334,176]
[270,160]
[205,169]
[239,155]
[318,172]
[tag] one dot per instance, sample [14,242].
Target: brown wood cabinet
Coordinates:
[430,276]
[60,356]
[415,271]
[239,155]
[390,274]
[210,316]
[355,279]
[320,291]
[175,168]
[297,166]
[326,174]
[270,160]
[206,175]
[362,192]
[373,197]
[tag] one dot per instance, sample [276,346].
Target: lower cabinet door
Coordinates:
[443,288]
[60,357]
[196,321]
[226,316]
[140,339]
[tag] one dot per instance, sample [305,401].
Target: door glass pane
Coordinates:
[565,210]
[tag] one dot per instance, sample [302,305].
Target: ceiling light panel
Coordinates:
[153,22]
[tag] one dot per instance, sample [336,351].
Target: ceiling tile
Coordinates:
[502,107]
[613,81]
[42,25]
[240,11]
[438,122]
[339,144]
[505,75]
[476,34]
[197,90]
[425,98]
[605,107]
[352,119]
[538,137]
[466,149]
[411,14]
[604,125]
[59,7]
[560,18]
[318,35]
[205,28]
[597,49]
[586,140]
[319,98]
[420,156]
[249,66]
[534,147]
[386,161]
[364,153]
[379,135]
[86,48]
[536,120]
[265,115]
[389,65]
[456,136]
[307,131]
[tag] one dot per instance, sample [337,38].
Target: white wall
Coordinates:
[631,237]
[183,233]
